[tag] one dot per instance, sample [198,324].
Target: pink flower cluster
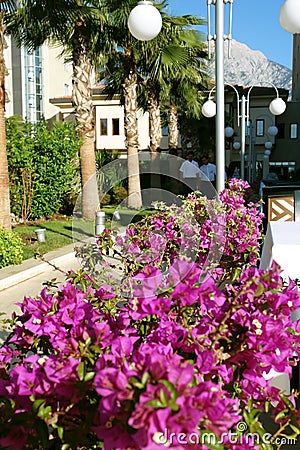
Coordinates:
[223,233]
[181,355]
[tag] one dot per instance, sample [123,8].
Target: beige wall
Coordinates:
[111,109]
[56,74]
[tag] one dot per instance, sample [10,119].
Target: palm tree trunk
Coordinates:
[155,136]
[185,139]
[173,127]
[131,135]
[84,112]
[155,122]
[5,219]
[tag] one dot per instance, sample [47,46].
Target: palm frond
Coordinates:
[33,23]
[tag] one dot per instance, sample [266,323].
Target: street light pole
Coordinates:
[276,107]
[139,25]
[219,73]
[243,135]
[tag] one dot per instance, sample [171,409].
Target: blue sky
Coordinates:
[255,23]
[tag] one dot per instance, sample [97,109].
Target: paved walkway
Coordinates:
[27,279]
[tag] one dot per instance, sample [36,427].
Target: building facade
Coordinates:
[33,77]
[109,121]
[259,137]
[39,85]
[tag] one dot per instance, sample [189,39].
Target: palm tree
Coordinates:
[75,25]
[151,64]
[123,55]
[5,219]
[176,54]
[183,96]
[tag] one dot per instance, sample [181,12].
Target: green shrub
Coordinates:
[11,248]
[43,167]
[119,194]
[105,200]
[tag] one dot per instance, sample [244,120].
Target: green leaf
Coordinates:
[89,376]
[287,401]
[44,412]
[260,290]
[36,405]
[81,371]
[295,428]
[145,378]
[155,404]
[281,415]
[60,432]
[171,388]
[163,397]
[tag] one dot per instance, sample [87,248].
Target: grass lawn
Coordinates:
[58,233]
[127,215]
[63,231]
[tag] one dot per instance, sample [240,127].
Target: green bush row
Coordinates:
[115,196]
[11,248]
[43,167]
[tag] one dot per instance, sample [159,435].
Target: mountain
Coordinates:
[247,67]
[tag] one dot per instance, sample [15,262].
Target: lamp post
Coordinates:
[142,29]
[276,107]
[219,75]
[289,18]
[145,24]
[144,21]
[271,133]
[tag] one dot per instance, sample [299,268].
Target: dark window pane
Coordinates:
[103,127]
[116,127]
[294,131]
[165,131]
[260,127]
[281,131]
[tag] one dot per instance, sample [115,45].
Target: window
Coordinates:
[284,169]
[165,131]
[281,131]
[66,89]
[33,84]
[115,127]
[293,131]
[103,127]
[66,65]
[260,127]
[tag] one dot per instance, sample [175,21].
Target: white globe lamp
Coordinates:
[209,108]
[277,106]
[267,153]
[144,21]
[266,157]
[268,145]
[273,130]
[236,145]
[289,16]
[229,132]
